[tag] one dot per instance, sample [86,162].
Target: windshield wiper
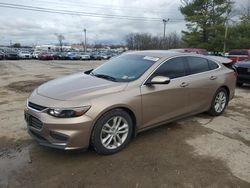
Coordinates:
[104,76]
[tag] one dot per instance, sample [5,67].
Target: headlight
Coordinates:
[68,112]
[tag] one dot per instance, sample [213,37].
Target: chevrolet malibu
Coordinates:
[106,107]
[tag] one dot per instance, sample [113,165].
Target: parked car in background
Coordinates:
[107,106]
[45,56]
[96,56]
[35,54]
[191,50]
[72,56]
[60,55]
[242,69]
[25,55]
[239,55]
[84,56]
[11,55]
[2,55]
[104,56]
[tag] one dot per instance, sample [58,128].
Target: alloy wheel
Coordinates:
[220,102]
[114,132]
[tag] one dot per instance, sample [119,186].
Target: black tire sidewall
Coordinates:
[95,137]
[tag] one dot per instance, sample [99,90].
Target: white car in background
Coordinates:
[84,56]
[35,54]
[24,55]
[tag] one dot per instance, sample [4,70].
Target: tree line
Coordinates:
[146,41]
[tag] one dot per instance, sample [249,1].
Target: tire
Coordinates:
[219,103]
[112,132]
[239,84]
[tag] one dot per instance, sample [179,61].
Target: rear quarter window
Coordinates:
[212,65]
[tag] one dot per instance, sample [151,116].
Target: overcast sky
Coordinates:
[32,28]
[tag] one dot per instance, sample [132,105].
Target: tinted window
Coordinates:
[212,65]
[173,68]
[197,65]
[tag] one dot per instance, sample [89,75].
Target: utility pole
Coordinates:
[164,24]
[85,40]
[225,38]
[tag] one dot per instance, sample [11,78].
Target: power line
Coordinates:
[104,7]
[78,13]
[61,11]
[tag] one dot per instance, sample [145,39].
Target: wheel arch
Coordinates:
[227,89]
[122,107]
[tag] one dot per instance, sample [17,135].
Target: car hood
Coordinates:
[243,64]
[78,86]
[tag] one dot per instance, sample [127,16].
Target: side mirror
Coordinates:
[88,71]
[159,80]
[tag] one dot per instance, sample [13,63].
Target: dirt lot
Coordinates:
[199,151]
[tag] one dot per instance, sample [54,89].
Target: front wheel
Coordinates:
[112,132]
[219,102]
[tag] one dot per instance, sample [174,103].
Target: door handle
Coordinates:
[213,77]
[184,84]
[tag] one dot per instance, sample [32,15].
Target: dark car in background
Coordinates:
[243,72]
[96,56]
[72,56]
[239,55]
[1,55]
[46,56]
[12,55]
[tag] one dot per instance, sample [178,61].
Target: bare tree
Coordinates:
[145,41]
[60,39]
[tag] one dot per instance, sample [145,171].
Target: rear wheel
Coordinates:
[112,132]
[219,102]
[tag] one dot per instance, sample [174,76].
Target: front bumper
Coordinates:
[60,133]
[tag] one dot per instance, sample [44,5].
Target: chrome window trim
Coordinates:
[219,66]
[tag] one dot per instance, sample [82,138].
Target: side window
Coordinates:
[212,65]
[172,68]
[197,65]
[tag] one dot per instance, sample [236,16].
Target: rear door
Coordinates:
[165,101]
[202,82]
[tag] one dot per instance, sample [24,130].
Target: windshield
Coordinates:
[125,68]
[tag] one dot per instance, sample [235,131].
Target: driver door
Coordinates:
[162,102]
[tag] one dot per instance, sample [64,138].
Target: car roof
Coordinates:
[162,53]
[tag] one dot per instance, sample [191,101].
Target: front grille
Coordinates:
[36,106]
[241,70]
[34,122]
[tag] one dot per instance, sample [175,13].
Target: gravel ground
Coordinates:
[199,151]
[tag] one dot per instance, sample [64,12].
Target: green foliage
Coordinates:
[239,36]
[17,45]
[205,23]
